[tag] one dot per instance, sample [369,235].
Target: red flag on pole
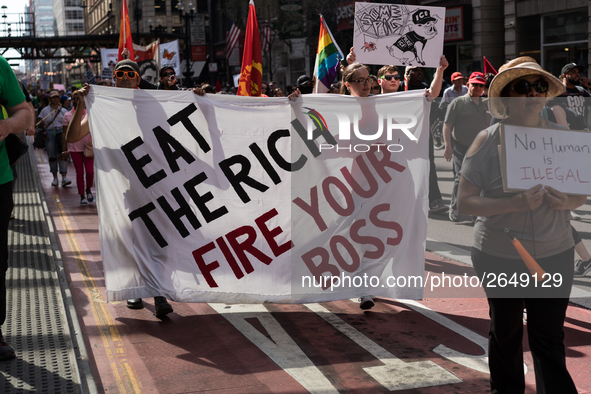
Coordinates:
[251,73]
[125,33]
[488,68]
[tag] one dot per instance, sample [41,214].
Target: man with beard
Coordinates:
[574,99]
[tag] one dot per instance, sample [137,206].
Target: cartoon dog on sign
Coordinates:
[422,30]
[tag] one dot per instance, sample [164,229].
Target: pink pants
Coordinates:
[83,164]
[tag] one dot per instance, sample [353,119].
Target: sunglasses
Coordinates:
[524,87]
[130,74]
[361,81]
[168,74]
[389,77]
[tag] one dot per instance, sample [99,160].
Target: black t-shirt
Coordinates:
[575,100]
[407,42]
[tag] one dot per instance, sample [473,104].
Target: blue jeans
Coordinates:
[54,141]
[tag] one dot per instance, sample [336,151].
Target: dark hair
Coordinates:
[348,75]
[208,88]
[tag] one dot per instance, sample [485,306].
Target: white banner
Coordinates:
[169,56]
[237,199]
[398,34]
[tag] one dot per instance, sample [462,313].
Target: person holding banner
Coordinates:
[539,218]
[126,76]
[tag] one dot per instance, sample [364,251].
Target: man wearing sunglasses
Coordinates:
[167,79]
[126,76]
[389,79]
[466,116]
[456,90]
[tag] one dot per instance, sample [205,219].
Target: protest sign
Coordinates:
[557,158]
[109,57]
[107,73]
[397,34]
[237,199]
[90,78]
[169,56]
[45,82]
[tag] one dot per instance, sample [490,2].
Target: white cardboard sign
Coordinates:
[398,34]
[556,158]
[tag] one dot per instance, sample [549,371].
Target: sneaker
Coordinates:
[454,216]
[83,200]
[582,267]
[162,307]
[135,303]
[366,302]
[437,206]
[66,182]
[574,216]
[89,196]
[55,182]
[6,351]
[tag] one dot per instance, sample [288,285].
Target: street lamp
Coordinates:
[159,31]
[188,17]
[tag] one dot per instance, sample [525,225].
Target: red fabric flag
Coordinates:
[125,34]
[488,68]
[251,73]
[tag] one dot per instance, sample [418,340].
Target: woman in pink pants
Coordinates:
[82,164]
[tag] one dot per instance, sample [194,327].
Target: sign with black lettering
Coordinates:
[557,158]
[231,199]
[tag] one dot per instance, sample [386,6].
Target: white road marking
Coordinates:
[395,374]
[478,363]
[282,350]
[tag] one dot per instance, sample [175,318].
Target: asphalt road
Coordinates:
[455,239]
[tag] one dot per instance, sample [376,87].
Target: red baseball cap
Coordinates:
[477,77]
[456,75]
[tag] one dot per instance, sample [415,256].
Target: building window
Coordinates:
[74,27]
[297,67]
[74,14]
[564,40]
[160,7]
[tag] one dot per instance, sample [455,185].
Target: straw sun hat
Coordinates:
[505,77]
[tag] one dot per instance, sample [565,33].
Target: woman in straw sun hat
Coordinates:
[539,218]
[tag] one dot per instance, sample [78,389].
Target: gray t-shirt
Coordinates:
[543,231]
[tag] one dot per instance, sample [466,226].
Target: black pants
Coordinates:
[545,328]
[6,204]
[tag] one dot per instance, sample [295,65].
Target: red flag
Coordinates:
[125,34]
[218,85]
[488,68]
[251,73]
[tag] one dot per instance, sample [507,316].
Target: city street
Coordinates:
[434,345]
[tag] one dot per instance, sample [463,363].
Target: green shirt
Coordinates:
[12,92]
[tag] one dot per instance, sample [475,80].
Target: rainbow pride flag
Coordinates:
[328,55]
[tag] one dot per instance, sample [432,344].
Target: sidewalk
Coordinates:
[68,339]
